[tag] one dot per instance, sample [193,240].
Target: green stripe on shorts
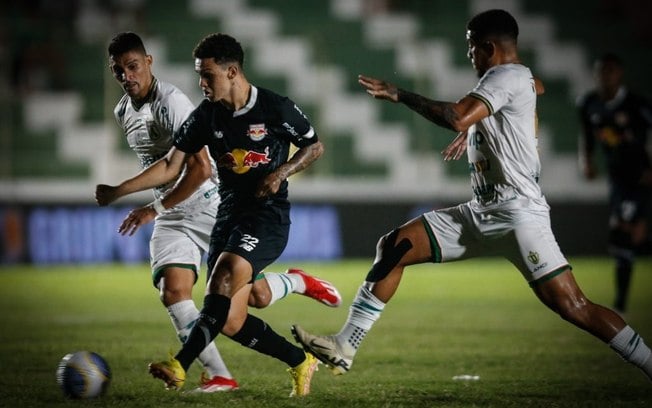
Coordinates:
[434,245]
[157,274]
[550,275]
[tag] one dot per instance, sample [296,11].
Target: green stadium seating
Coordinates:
[337,43]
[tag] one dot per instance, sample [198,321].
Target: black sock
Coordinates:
[258,335]
[623,278]
[209,324]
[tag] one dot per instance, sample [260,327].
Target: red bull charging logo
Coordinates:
[257,132]
[240,160]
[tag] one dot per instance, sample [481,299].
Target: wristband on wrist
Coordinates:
[157,205]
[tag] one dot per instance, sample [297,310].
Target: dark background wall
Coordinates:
[83,233]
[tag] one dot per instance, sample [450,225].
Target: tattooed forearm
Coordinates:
[441,113]
[303,158]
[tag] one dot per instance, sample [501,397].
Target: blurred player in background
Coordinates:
[619,121]
[185,207]
[508,216]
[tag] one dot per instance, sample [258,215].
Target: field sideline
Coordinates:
[474,317]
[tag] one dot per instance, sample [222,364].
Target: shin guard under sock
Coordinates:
[211,321]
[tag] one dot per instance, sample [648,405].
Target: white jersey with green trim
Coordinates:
[149,130]
[502,148]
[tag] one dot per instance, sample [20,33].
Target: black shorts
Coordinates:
[627,205]
[259,237]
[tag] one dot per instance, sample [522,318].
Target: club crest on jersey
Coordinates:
[153,130]
[240,160]
[533,257]
[257,131]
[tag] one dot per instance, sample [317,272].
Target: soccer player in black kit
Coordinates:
[619,121]
[248,131]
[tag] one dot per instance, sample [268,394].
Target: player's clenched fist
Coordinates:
[105,195]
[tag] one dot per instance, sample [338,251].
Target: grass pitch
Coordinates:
[473,317]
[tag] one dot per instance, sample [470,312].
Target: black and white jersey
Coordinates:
[247,144]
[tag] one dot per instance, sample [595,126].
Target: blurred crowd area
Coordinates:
[55,81]
[34,34]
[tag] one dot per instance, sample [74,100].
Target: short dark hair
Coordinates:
[610,57]
[222,47]
[125,42]
[493,23]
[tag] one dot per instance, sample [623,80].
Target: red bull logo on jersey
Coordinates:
[610,136]
[240,160]
[257,131]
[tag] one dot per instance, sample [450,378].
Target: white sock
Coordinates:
[184,314]
[631,347]
[283,284]
[363,313]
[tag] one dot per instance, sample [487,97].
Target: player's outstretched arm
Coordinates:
[198,170]
[160,172]
[457,116]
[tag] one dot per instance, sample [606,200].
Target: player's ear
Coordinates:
[489,47]
[149,59]
[232,71]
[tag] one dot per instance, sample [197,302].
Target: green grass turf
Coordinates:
[474,317]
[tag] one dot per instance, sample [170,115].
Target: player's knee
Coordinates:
[228,274]
[220,282]
[172,292]
[261,293]
[258,299]
[168,298]
[388,255]
[387,240]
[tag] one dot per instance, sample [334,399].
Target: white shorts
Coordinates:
[521,235]
[179,240]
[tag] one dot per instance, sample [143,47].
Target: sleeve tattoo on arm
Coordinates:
[441,113]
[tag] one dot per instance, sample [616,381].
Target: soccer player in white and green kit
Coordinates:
[184,209]
[507,216]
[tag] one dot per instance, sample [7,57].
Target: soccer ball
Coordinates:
[83,374]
